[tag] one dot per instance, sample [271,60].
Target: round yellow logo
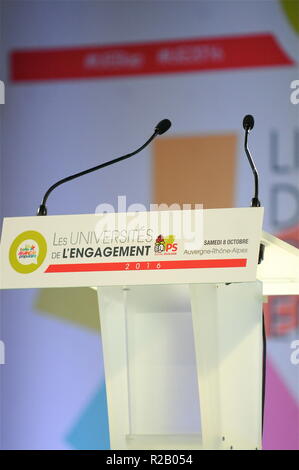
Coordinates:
[27,252]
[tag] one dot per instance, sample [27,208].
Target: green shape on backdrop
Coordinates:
[78,305]
[291,10]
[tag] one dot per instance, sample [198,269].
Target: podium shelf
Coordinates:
[279,271]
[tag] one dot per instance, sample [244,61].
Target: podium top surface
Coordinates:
[156,247]
[279,271]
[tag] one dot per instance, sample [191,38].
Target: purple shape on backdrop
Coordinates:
[281,426]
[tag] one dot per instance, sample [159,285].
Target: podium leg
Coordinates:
[228,332]
[113,330]
[150,367]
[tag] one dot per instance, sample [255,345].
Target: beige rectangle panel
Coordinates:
[195,169]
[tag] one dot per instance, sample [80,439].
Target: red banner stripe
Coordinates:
[173,56]
[147,265]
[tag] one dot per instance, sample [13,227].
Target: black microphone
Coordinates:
[160,129]
[248,124]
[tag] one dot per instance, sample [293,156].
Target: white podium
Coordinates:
[181,318]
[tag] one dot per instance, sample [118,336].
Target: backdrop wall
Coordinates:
[104,75]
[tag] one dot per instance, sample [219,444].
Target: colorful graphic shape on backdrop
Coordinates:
[291,9]
[153,58]
[187,169]
[91,430]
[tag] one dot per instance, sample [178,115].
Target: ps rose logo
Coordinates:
[27,252]
[165,245]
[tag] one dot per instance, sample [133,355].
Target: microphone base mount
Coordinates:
[42,210]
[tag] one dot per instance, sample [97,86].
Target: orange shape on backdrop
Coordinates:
[195,169]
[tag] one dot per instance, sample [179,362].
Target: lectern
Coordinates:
[180,300]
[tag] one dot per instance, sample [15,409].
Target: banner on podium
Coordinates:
[155,247]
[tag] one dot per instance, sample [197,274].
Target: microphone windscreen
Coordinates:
[248,122]
[162,126]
